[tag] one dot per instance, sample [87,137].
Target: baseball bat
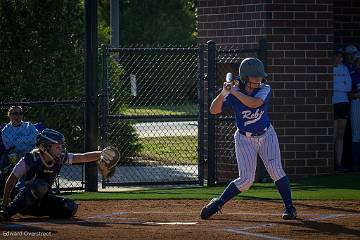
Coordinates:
[228,80]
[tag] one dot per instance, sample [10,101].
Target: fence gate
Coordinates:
[150,112]
[221,159]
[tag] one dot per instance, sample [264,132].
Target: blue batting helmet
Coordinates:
[252,67]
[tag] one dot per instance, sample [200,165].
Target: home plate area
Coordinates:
[179,219]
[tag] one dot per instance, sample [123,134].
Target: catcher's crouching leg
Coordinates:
[59,207]
[26,198]
[69,209]
[39,188]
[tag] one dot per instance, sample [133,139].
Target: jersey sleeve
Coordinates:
[228,103]
[263,93]
[69,158]
[20,168]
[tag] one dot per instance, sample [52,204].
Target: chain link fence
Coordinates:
[150,112]
[64,116]
[152,108]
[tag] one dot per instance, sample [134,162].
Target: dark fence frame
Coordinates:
[212,58]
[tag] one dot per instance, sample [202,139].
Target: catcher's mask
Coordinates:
[251,67]
[47,138]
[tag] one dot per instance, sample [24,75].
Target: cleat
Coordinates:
[210,209]
[290,213]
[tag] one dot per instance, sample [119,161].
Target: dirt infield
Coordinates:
[179,219]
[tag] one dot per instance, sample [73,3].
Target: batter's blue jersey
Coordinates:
[253,120]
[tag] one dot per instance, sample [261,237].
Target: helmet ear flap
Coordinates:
[44,147]
[41,146]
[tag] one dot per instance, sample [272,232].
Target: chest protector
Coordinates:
[40,170]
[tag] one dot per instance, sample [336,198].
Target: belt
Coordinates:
[249,134]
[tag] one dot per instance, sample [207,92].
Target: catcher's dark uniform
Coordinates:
[32,194]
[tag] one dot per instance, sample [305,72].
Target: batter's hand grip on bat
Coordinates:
[228,80]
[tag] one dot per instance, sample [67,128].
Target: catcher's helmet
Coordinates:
[252,67]
[49,136]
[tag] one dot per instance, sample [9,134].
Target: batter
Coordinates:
[254,135]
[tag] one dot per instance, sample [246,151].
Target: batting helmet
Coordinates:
[252,67]
[49,136]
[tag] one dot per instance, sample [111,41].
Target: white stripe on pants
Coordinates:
[247,148]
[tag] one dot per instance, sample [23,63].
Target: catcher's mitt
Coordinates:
[109,157]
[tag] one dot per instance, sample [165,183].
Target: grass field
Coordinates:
[170,150]
[162,110]
[335,187]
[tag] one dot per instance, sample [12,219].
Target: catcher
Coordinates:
[35,173]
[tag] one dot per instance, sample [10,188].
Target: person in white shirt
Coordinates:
[340,101]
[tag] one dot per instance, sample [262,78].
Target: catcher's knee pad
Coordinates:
[67,208]
[39,188]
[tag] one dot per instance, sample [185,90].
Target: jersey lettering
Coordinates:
[253,117]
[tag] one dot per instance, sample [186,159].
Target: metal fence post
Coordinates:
[211,120]
[104,96]
[201,119]
[91,119]
[104,101]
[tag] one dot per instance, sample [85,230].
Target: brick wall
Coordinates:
[300,58]
[231,22]
[300,44]
[346,22]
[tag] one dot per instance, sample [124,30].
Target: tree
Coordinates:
[154,21]
[42,58]
[41,49]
